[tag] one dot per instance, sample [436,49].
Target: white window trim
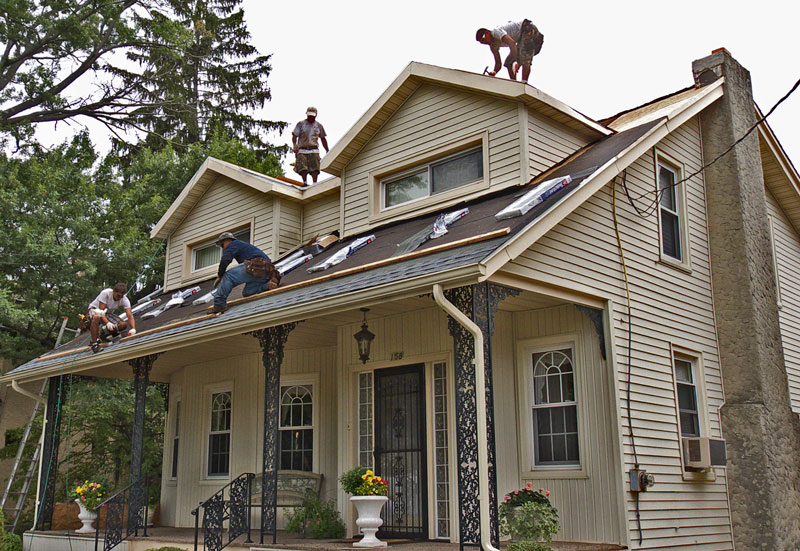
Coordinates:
[312,380]
[661,158]
[190,274]
[525,350]
[208,392]
[698,374]
[409,165]
[174,431]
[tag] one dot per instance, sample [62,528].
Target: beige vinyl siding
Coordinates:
[434,116]
[246,373]
[226,203]
[670,307]
[588,505]
[289,225]
[787,252]
[549,142]
[320,216]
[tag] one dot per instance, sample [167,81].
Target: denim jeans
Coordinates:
[235,277]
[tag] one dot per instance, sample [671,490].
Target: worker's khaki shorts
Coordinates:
[306,163]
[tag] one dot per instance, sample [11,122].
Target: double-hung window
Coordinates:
[686,387]
[297,428]
[209,253]
[554,409]
[219,435]
[176,440]
[672,217]
[442,175]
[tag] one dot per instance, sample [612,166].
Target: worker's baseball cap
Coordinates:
[311,111]
[223,236]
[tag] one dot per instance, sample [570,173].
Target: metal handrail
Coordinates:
[216,511]
[115,506]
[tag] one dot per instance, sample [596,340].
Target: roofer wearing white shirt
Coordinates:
[101,308]
[305,137]
[522,38]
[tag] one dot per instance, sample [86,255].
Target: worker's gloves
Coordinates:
[131,332]
[111,327]
[217,282]
[296,149]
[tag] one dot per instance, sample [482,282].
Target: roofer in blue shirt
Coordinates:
[254,270]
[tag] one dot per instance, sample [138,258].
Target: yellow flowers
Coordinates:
[88,494]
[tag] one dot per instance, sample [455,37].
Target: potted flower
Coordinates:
[529,518]
[88,496]
[368,494]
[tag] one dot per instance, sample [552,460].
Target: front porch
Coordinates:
[183,538]
[298,396]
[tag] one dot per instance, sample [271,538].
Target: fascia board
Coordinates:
[237,326]
[277,187]
[553,288]
[765,131]
[158,230]
[331,163]
[523,239]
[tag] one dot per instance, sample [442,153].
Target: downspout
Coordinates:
[42,401]
[480,400]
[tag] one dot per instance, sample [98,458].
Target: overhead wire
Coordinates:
[652,204]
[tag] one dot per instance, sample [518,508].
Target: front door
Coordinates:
[400,446]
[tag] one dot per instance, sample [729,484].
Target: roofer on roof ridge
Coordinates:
[102,308]
[255,270]
[522,38]
[305,137]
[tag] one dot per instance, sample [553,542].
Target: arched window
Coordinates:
[297,428]
[555,410]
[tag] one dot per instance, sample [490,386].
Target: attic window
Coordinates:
[442,175]
[209,253]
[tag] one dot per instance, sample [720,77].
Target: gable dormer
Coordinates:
[274,214]
[440,136]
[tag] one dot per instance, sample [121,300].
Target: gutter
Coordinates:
[480,399]
[27,393]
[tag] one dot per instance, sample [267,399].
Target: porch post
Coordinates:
[272,340]
[56,393]
[479,302]
[141,379]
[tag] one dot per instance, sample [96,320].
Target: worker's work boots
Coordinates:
[216,309]
[96,347]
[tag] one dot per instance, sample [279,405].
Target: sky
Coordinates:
[600,58]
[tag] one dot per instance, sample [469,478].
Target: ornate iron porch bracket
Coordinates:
[596,317]
[141,378]
[272,340]
[479,302]
[56,393]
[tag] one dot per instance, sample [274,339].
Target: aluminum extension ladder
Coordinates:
[24,467]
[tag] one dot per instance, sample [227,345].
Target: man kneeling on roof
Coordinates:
[101,312]
[254,270]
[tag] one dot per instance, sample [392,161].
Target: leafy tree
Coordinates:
[203,75]
[62,238]
[178,68]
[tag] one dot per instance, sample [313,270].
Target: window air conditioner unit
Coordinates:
[703,453]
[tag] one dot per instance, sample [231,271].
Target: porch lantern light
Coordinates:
[364,339]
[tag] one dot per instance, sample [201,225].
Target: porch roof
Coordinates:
[372,274]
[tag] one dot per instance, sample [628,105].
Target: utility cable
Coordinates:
[628,383]
[652,205]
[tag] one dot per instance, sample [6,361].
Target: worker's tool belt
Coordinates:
[262,268]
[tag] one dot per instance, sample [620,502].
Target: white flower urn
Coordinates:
[87,517]
[369,519]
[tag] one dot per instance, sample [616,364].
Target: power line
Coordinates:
[652,205]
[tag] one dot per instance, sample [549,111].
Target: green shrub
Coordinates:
[528,546]
[352,480]
[531,521]
[316,519]
[8,541]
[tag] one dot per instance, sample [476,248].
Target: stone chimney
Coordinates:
[762,433]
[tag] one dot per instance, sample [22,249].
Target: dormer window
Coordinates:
[460,169]
[208,253]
